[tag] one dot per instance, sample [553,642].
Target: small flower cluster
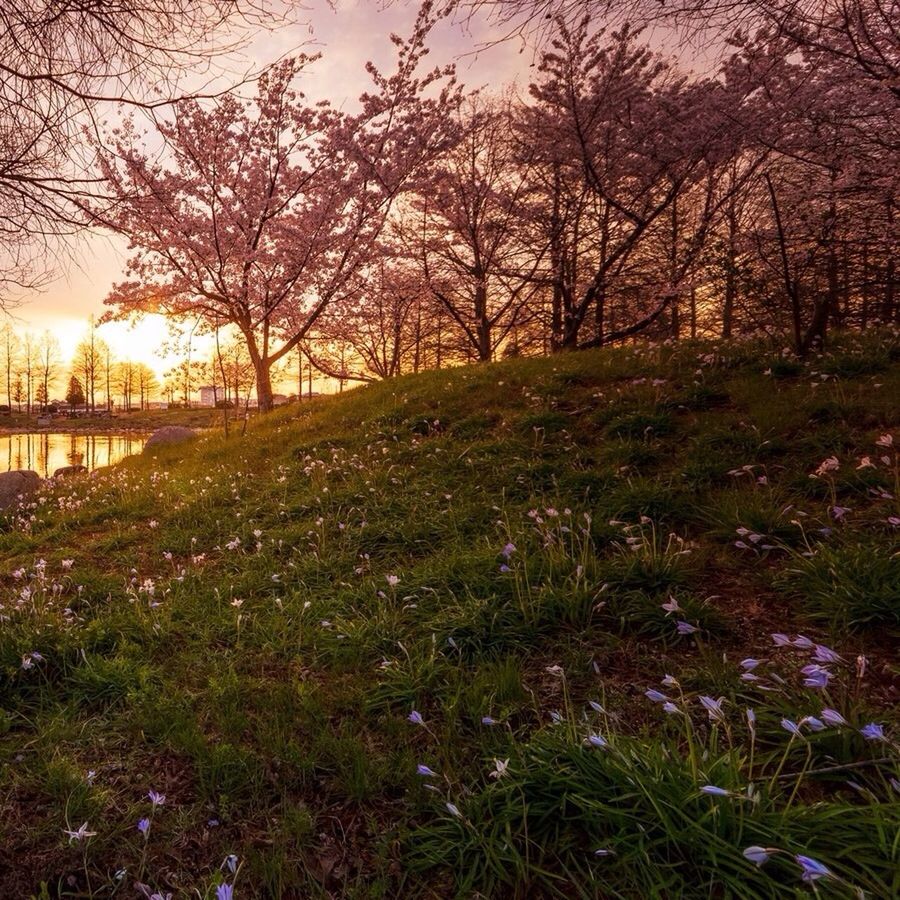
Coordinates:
[39,593]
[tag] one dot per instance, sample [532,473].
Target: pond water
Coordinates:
[45,452]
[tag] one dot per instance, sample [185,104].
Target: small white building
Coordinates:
[208,395]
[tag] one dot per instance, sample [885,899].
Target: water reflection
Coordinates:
[46,452]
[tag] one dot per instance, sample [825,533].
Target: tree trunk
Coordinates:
[571,330]
[728,307]
[818,326]
[261,367]
[556,264]
[556,315]
[9,398]
[730,272]
[673,274]
[864,312]
[791,288]
[600,316]
[265,401]
[483,324]
[693,296]
[417,353]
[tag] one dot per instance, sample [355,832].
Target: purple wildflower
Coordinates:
[833,717]
[872,732]
[416,718]
[671,606]
[715,791]
[685,627]
[817,676]
[812,869]
[143,826]
[655,696]
[156,799]
[225,892]
[758,855]
[713,708]
[425,772]
[825,654]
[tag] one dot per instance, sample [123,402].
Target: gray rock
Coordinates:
[16,485]
[169,434]
[69,471]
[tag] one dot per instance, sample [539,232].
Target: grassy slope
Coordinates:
[264,686]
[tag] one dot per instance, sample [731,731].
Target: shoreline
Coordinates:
[68,429]
[147,423]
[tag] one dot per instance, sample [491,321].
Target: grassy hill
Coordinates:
[495,631]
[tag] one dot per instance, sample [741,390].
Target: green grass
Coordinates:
[245,626]
[854,584]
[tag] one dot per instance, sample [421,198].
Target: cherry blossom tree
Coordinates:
[630,137]
[464,225]
[829,186]
[265,212]
[864,32]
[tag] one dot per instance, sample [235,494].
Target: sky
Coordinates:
[347,33]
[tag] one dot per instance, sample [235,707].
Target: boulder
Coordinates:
[169,434]
[69,471]
[20,483]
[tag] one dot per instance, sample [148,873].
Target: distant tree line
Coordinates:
[35,375]
[30,366]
